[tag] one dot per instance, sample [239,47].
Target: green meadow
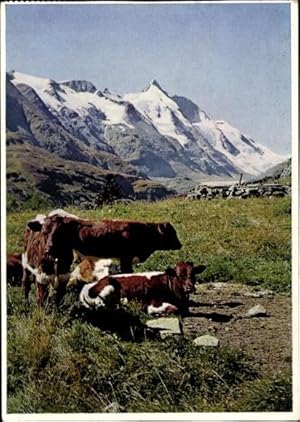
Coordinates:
[59,363]
[244,241]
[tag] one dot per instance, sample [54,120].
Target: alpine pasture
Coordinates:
[58,361]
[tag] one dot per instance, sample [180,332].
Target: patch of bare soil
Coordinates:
[220,309]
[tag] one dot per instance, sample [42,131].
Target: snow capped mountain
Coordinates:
[182,120]
[155,105]
[77,96]
[163,136]
[246,154]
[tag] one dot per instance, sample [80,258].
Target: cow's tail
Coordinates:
[56,275]
[27,266]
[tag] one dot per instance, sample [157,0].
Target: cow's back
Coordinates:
[132,286]
[148,288]
[116,238]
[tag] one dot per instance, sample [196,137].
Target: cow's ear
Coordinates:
[170,272]
[199,269]
[35,225]
[71,223]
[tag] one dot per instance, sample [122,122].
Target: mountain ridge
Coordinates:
[156,134]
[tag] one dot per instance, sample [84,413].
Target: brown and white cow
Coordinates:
[92,269]
[14,269]
[158,292]
[129,241]
[45,269]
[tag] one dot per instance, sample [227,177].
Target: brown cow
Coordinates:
[46,270]
[128,241]
[14,269]
[158,292]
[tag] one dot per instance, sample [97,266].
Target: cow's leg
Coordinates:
[60,291]
[25,283]
[164,308]
[41,293]
[126,264]
[184,308]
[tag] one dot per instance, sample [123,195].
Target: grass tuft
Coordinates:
[272,394]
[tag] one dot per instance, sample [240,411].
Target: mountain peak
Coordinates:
[80,86]
[153,83]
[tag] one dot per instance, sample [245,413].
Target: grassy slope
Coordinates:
[58,364]
[36,177]
[33,172]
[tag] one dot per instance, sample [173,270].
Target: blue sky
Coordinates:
[233,60]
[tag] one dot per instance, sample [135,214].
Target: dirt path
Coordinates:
[218,309]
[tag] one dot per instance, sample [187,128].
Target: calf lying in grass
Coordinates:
[89,270]
[158,292]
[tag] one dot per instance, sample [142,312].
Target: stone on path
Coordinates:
[260,293]
[168,326]
[257,310]
[206,340]
[219,285]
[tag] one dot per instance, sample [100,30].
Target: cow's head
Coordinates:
[168,236]
[58,233]
[185,272]
[175,286]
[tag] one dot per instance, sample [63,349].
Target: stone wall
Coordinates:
[238,191]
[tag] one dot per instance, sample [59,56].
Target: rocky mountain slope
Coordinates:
[148,134]
[280,171]
[46,165]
